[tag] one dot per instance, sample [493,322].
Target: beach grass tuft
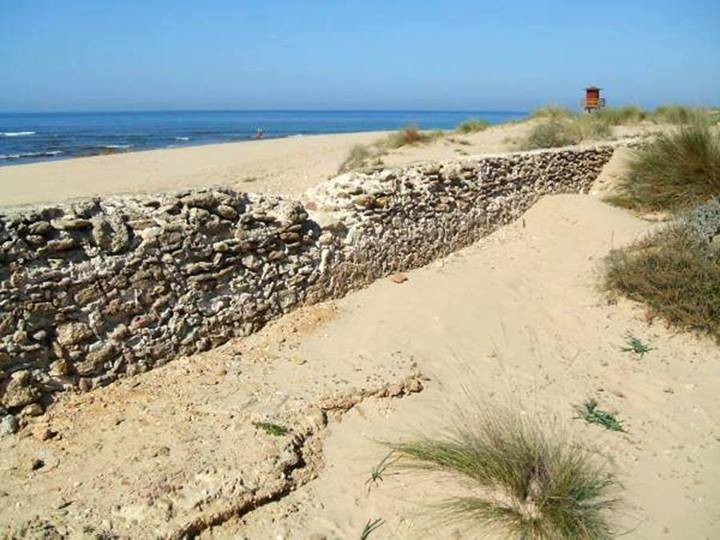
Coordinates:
[550,133]
[411,135]
[370,527]
[472,125]
[357,158]
[561,127]
[676,114]
[616,116]
[553,112]
[520,480]
[592,127]
[675,171]
[675,272]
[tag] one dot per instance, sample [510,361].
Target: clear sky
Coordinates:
[346,54]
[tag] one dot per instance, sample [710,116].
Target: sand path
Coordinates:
[517,319]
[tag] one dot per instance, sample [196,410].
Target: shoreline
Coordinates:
[286,165]
[52,156]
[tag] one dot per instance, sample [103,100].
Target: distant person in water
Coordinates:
[259,133]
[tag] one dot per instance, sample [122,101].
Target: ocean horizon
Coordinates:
[27,137]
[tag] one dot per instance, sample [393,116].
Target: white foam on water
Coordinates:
[16,133]
[21,155]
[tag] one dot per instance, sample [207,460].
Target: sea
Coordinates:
[31,137]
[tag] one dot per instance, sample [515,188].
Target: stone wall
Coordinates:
[97,289]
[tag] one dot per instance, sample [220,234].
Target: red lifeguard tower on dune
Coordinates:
[593,101]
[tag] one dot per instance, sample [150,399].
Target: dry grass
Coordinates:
[361,156]
[675,273]
[553,112]
[525,482]
[410,135]
[357,158]
[676,171]
[472,125]
[676,114]
[558,126]
[553,133]
[616,116]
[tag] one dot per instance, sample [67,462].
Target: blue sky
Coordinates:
[343,54]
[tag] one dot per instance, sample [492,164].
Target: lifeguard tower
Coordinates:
[593,101]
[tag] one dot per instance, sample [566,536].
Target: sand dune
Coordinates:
[518,315]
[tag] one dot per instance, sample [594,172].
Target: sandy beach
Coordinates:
[276,166]
[286,166]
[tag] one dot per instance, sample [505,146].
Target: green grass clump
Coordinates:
[272,429]
[550,134]
[675,272]
[590,413]
[616,116]
[472,125]
[676,114]
[524,482]
[552,112]
[592,126]
[675,171]
[553,132]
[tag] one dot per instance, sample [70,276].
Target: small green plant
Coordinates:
[590,413]
[271,429]
[370,527]
[635,344]
[525,480]
[472,125]
[376,473]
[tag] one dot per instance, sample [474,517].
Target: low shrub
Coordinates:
[472,125]
[675,272]
[675,171]
[524,482]
[410,135]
